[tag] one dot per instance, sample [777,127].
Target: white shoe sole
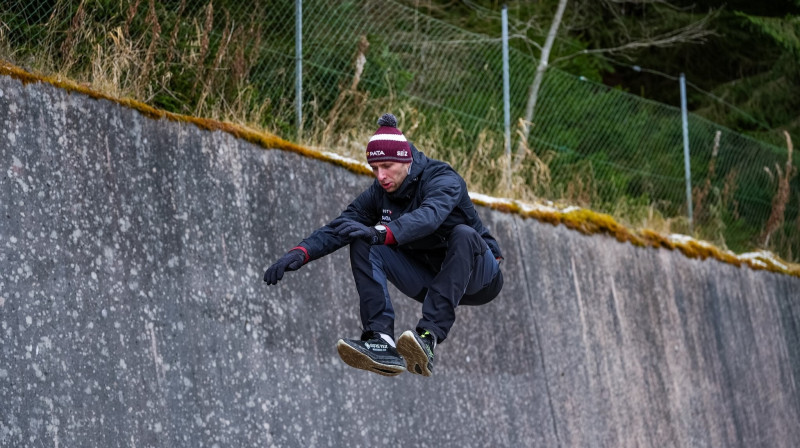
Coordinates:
[414,354]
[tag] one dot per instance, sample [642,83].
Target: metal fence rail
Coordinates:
[589,145]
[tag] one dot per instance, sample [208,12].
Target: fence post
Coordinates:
[686,163]
[506,95]
[298,54]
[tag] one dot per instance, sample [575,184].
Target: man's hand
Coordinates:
[347,228]
[289,262]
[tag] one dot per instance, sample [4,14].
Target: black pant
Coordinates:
[466,273]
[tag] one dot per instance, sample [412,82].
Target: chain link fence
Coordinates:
[589,145]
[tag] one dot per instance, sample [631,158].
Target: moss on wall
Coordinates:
[581,220]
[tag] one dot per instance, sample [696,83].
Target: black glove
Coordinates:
[347,228]
[289,262]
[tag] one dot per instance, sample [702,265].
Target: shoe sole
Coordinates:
[355,358]
[414,354]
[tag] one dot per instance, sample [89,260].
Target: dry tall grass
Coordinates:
[781,198]
[135,57]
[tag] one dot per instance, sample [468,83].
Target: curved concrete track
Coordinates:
[132,312]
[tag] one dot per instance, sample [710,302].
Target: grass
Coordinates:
[202,62]
[582,220]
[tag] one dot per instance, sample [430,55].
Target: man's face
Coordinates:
[390,174]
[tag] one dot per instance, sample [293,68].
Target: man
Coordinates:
[416,227]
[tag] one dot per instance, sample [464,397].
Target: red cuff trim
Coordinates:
[305,251]
[389,237]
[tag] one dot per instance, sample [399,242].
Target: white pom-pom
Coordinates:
[387,120]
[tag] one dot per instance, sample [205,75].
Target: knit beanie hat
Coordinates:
[388,144]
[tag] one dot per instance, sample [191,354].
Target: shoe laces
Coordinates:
[429,337]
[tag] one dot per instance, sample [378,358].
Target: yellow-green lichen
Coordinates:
[582,220]
[589,222]
[260,138]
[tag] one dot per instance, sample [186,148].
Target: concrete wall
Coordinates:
[132,312]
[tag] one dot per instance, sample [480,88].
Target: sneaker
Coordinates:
[417,349]
[371,353]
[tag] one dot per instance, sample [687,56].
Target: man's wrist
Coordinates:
[302,249]
[380,234]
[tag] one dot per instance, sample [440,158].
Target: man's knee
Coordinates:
[359,245]
[369,257]
[360,257]
[463,233]
[360,251]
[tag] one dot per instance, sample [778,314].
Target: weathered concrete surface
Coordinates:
[132,312]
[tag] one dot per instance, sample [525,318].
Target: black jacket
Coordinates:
[430,202]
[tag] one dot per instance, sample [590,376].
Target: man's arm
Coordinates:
[324,240]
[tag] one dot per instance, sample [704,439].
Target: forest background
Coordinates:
[743,57]
[606,129]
